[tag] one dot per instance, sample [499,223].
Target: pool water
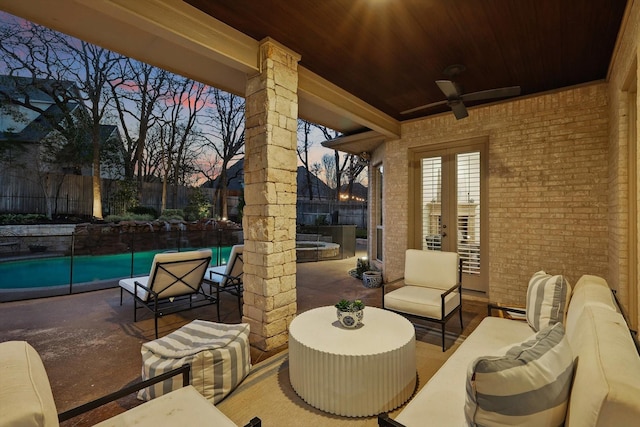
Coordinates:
[46,272]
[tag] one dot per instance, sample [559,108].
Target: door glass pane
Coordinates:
[379,182]
[468,207]
[432,203]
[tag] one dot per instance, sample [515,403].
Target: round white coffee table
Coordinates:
[352,372]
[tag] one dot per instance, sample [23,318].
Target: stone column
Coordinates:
[269,216]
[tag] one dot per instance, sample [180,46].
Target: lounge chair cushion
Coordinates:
[547,300]
[218,353]
[165,283]
[25,391]
[221,274]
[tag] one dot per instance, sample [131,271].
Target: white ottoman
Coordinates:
[218,354]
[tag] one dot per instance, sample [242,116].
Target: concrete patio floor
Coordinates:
[90,345]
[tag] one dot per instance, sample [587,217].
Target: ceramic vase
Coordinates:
[372,279]
[350,319]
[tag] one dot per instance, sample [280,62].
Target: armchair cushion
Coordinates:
[547,300]
[432,269]
[529,385]
[421,301]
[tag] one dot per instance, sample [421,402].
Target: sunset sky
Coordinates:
[316,150]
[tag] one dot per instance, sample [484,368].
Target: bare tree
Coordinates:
[316,169]
[330,174]
[73,74]
[349,168]
[304,144]
[336,170]
[140,92]
[179,136]
[227,139]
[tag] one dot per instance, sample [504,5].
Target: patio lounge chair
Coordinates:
[174,284]
[228,277]
[432,287]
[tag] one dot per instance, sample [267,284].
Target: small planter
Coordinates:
[350,319]
[372,279]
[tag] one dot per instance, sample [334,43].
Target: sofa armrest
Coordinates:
[74,412]
[491,307]
[385,421]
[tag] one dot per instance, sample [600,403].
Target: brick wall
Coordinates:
[622,91]
[547,185]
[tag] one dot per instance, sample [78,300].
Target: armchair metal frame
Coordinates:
[385,421]
[443,318]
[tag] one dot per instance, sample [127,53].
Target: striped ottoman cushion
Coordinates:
[218,354]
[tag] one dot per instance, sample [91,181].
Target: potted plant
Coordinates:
[362,265]
[372,278]
[350,313]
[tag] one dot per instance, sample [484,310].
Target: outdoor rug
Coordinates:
[267,393]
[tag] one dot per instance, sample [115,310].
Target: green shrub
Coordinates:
[169,214]
[143,210]
[129,217]
[23,219]
[198,207]
[321,220]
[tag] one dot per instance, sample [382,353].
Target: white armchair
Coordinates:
[432,288]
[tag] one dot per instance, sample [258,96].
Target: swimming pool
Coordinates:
[56,271]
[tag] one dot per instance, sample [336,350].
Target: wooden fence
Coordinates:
[73,195]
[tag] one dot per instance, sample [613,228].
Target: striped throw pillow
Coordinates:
[547,300]
[528,386]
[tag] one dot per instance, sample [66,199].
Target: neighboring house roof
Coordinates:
[16,87]
[235,175]
[320,189]
[37,91]
[32,127]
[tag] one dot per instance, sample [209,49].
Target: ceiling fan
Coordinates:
[455,98]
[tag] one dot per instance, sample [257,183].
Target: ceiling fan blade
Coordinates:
[459,110]
[503,92]
[423,107]
[449,88]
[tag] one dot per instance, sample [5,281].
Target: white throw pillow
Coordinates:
[547,300]
[528,386]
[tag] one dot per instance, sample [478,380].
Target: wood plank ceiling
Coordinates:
[389,53]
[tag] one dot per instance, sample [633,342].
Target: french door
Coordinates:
[448,196]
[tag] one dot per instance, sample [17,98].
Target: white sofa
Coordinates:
[26,399]
[606,377]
